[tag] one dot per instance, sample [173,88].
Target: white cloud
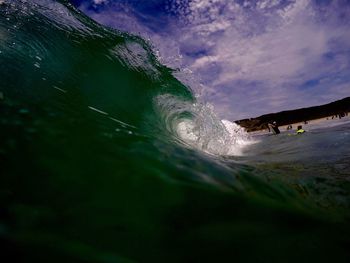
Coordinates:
[98,2]
[276,56]
[267,4]
[281,54]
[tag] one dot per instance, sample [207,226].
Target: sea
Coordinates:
[106,156]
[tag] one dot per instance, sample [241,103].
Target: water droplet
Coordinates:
[62,90]
[23,111]
[36,64]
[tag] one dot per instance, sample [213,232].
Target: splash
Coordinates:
[197,125]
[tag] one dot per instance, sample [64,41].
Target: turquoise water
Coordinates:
[106,157]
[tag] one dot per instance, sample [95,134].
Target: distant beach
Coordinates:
[310,125]
[318,123]
[307,117]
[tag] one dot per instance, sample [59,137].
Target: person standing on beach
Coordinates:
[273,126]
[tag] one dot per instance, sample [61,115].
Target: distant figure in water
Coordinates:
[273,126]
[300,129]
[289,127]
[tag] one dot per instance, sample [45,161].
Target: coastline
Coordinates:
[332,111]
[313,124]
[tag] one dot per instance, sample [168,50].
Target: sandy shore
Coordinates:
[321,122]
[311,124]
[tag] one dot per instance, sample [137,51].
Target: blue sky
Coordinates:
[247,58]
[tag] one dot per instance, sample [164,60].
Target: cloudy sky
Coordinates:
[247,58]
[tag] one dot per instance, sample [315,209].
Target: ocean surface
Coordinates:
[105,156]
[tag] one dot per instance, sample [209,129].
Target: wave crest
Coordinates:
[195,124]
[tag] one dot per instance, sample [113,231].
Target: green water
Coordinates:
[92,169]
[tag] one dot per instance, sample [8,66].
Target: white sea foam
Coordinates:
[231,140]
[196,125]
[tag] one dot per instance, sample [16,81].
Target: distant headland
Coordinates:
[336,109]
